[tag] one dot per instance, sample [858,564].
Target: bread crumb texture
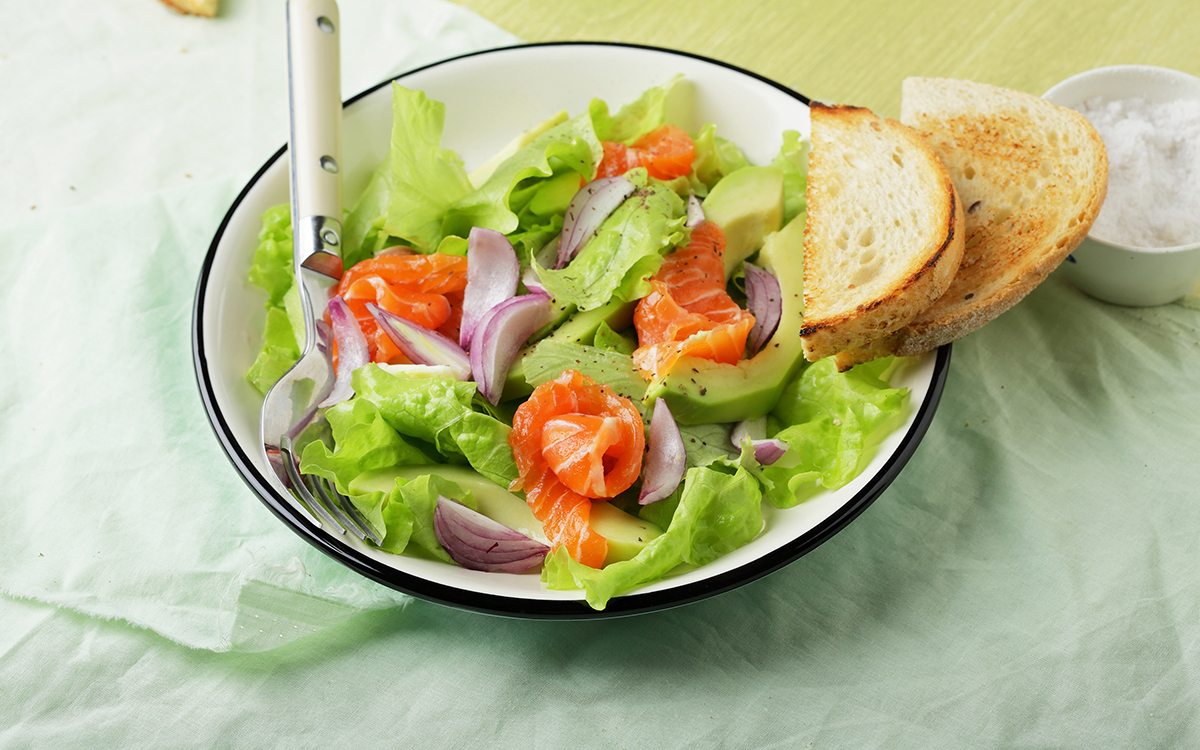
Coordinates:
[207,8]
[880,242]
[1031,176]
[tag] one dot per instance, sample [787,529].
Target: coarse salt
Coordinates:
[1153,171]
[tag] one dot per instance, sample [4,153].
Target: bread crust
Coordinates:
[207,8]
[1033,177]
[853,151]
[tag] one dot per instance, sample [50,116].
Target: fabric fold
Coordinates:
[119,502]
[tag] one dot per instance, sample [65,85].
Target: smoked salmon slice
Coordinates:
[438,273]
[575,441]
[666,152]
[426,289]
[688,312]
[425,308]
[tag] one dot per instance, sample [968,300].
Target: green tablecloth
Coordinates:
[1032,578]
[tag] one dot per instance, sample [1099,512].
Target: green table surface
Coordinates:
[1030,580]
[859,52]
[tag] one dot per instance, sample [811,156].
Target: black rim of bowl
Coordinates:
[628,604]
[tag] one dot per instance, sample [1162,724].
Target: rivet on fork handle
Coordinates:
[320,238]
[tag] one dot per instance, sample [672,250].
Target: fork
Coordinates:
[293,406]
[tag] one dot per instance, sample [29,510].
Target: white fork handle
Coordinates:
[314,87]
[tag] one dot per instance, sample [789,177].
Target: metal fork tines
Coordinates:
[296,401]
[323,500]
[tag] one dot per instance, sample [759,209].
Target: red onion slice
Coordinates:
[666,460]
[532,281]
[594,203]
[477,542]
[493,272]
[352,350]
[764,300]
[766,450]
[695,212]
[500,334]
[423,346]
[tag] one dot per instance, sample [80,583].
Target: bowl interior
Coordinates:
[491,97]
[1155,84]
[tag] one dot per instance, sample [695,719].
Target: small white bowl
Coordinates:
[1111,271]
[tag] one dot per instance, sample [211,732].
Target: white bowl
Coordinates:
[1111,270]
[489,97]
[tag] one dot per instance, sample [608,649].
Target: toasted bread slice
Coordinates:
[1032,176]
[193,7]
[884,232]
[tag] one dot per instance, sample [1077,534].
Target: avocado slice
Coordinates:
[748,206]
[493,501]
[555,194]
[626,534]
[578,328]
[701,391]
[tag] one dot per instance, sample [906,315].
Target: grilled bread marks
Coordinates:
[1032,177]
[884,233]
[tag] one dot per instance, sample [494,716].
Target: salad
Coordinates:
[582,358]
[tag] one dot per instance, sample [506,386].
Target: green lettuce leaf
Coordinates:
[708,444]
[570,147]
[421,497]
[391,518]
[481,173]
[531,239]
[363,234]
[715,157]
[617,263]
[453,245]
[793,160]
[661,513]
[363,440]
[271,270]
[279,351]
[402,514]
[403,420]
[440,413]
[717,513]
[406,512]
[634,119]
[830,418]
[425,178]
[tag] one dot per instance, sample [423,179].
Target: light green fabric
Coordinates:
[128,132]
[1031,579]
